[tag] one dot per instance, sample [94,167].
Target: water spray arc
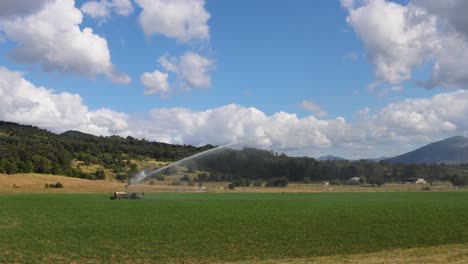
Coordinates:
[141,176]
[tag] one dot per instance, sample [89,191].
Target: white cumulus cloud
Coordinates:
[10,8]
[312,107]
[234,123]
[394,129]
[52,38]
[191,71]
[184,20]
[398,38]
[23,102]
[104,8]
[155,82]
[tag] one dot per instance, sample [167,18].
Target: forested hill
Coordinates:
[25,149]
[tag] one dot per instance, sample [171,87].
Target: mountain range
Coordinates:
[453,150]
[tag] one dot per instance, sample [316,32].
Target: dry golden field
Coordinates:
[34,183]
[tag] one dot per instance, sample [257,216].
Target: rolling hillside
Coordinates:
[26,149]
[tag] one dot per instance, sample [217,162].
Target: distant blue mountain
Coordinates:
[452,150]
[329,157]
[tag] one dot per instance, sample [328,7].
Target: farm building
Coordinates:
[415,180]
[354,181]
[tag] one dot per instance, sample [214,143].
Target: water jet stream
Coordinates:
[142,175]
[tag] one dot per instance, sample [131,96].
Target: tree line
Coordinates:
[254,164]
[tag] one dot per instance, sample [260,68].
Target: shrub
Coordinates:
[375,180]
[202,176]
[242,182]
[307,180]
[185,178]
[214,177]
[231,186]
[335,182]
[100,175]
[170,170]
[190,183]
[117,169]
[121,177]
[160,178]
[152,182]
[175,183]
[190,168]
[277,182]
[258,183]
[458,180]
[52,185]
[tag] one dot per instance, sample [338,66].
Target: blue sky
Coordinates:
[326,64]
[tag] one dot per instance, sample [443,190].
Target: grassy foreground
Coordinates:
[207,228]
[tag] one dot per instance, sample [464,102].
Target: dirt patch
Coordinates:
[455,254]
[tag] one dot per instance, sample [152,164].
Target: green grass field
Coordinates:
[206,228]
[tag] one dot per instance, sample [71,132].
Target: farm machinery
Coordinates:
[127,195]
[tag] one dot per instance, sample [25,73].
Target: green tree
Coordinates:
[376,179]
[100,175]
[159,177]
[458,180]
[11,167]
[43,165]
[185,178]
[25,166]
[121,177]
[277,182]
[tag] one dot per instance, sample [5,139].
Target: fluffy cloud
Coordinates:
[184,20]
[399,38]
[23,102]
[396,128]
[312,107]
[104,8]
[439,115]
[396,37]
[52,38]
[155,82]
[415,121]
[234,123]
[191,71]
[452,13]
[9,8]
